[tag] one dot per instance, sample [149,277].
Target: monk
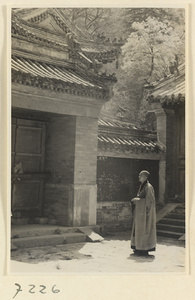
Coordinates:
[143,237]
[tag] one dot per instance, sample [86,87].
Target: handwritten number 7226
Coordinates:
[32,289]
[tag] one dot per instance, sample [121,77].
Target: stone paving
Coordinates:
[111,255]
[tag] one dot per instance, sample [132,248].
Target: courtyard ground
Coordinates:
[111,255]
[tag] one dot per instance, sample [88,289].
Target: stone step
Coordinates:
[179,209]
[49,240]
[39,230]
[172,228]
[170,207]
[91,236]
[175,216]
[179,222]
[169,234]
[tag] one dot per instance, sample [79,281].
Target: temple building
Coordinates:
[167,100]
[57,95]
[70,166]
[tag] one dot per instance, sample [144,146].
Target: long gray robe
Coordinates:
[143,235]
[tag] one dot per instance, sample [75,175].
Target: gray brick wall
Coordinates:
[86,151]
[114,216]
[117,178]
[60,145]
[71,158]
[56,204]
[59,161]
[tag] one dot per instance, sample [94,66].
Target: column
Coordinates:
[166,135]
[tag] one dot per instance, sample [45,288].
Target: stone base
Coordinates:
[84,210]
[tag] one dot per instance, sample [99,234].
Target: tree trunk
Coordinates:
[152,62]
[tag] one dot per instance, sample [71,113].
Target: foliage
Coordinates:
[88,20]
[152,50]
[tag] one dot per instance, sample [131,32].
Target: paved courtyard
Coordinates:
[113,255]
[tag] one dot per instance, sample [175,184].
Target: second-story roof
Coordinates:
[47,54]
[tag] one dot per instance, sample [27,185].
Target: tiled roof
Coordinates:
[178,89]
[48,71]
[52,21]
[169,91]
[120,140]
[115,124]
[169,78]
[123,136]
[56,78]
[111,142]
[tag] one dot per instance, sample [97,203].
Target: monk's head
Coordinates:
[143,176]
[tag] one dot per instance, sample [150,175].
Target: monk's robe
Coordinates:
[143,235]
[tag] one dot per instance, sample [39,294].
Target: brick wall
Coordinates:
[85,151]
[59,161]
[59,150]
[70,196]
[117,178]
[56,204]
[114,216]
[71,158]
[117,182]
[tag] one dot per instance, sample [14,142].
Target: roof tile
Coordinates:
[48,71]
[130,143]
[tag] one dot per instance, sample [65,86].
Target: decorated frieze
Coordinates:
[170,101]
[103,56]
[59,86]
